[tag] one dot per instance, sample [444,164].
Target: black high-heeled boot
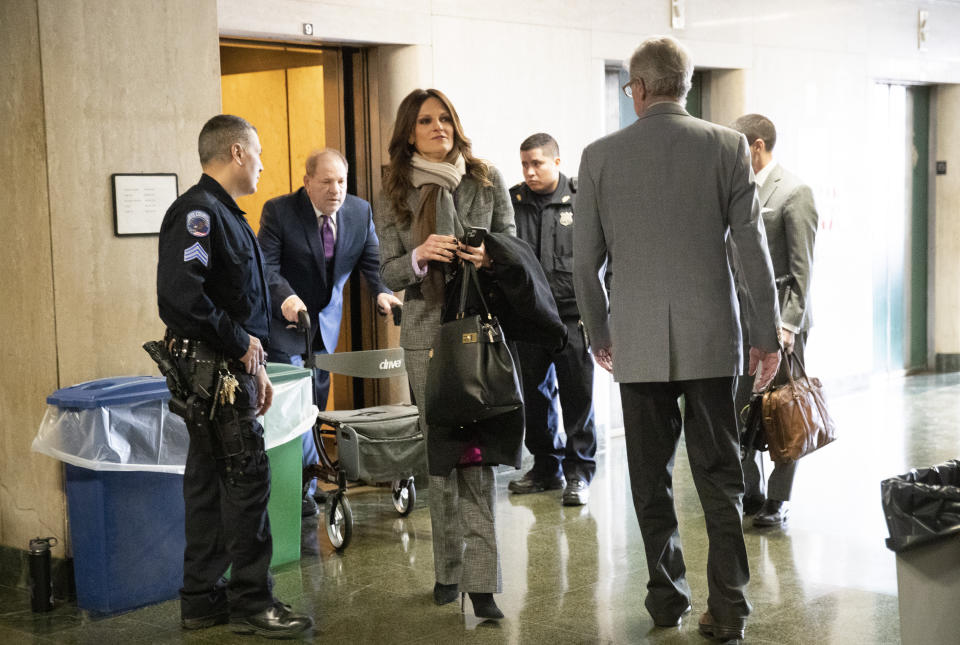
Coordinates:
[484,607]
[443,594]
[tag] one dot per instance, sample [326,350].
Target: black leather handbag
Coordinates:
[471,375]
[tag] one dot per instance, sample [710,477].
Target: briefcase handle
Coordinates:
[792,361]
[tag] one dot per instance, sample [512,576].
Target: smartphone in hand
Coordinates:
[474,236]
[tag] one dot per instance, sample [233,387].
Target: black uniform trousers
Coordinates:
[225,502]
[652,425]
[574,373]
[781,479]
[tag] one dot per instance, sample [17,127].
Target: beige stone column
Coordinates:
[400,69]
[31,497]
[397,70]
[95,87]
[946,240]
[725,95]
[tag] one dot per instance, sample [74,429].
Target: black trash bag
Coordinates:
[922,506]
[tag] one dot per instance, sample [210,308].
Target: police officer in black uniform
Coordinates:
[212,295]
[543,209]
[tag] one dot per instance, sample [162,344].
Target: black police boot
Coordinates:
[276,621]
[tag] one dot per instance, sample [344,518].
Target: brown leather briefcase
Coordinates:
[795,417]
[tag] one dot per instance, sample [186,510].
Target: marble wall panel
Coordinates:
[127,87]
[31,485]
[538,79]
[947,224]
[536,12]
[346,21]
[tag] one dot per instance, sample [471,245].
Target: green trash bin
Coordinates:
[291,414]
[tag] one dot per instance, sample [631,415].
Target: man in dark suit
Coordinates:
[790,219]
[661,197]
[312,240]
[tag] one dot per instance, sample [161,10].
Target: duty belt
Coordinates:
[191,348]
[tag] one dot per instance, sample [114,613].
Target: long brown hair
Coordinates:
[397,181]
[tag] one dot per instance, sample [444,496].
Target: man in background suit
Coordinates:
[790,219]
[312,240]
[661,196]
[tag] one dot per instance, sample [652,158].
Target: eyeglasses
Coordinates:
[627,88]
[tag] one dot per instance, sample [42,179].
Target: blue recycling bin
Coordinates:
[124,453]
[126,526]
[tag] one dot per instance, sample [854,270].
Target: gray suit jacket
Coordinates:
[488,207]
[661,196]
[790,219]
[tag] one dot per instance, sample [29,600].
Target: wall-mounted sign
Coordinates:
[941,167]
[140,201]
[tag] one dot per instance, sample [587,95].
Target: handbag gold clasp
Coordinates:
[470,337]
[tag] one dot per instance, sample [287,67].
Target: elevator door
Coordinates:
[293,96]
[900,160]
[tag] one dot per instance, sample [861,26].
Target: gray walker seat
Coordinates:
[382,443]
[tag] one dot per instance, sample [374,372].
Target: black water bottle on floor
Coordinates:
[41,584]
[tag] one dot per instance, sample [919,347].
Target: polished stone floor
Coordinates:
[577,575]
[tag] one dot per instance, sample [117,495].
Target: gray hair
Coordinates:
[317,155]
[664,66]
[219,134]
[757,126]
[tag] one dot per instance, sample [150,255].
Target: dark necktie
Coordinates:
[326,234]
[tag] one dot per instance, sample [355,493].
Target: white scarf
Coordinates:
[444,174]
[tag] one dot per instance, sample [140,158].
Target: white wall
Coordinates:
[513,68]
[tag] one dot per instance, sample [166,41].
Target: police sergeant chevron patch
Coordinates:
[195,252]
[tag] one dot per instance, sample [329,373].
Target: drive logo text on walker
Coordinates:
[386,364]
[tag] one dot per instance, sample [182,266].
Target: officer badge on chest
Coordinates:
[566,218]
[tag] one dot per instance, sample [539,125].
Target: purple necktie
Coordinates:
[326,234]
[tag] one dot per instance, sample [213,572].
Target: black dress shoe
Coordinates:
[308,507]
[714,631]
[276,621]
[484,607]
[532,483]
[752,504]
[444,594]
[577,492]
[772,513]
[675,622]
[219,618]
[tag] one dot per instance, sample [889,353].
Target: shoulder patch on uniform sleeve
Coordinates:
[198,224]
[195,252]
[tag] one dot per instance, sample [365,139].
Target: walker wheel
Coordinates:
[339,522]
[404,495]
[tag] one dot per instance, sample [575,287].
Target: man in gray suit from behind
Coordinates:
[661,196]
[790,219]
